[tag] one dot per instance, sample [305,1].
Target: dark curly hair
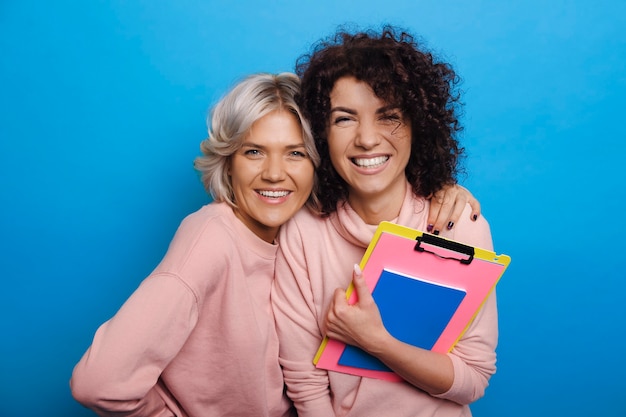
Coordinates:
[399,71]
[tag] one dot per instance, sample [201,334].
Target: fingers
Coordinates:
[455,213]
[436,202]
[339,299]
[447,205]
[475,205]
[362,291]
[442,208]
[340,304]
[471,200]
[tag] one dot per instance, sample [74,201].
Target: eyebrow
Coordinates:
[342,109]
[256,145]
[381,110]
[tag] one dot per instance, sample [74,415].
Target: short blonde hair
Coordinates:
[231,119]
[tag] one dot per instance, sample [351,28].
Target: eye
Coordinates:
[342,120]
[298,154]
[252,153]
[391,117]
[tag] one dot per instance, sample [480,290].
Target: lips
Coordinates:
[370,162]
[274,193]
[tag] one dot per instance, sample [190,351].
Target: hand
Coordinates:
[359,324]
[446,206]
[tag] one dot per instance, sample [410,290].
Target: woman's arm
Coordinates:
[299,335]
[118,374]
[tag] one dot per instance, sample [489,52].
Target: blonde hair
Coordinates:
[231,119]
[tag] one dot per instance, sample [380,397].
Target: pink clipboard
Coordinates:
[430,258]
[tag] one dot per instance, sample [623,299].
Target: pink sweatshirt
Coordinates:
[197,337]
[317,256]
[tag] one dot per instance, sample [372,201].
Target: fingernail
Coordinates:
[450,225]
[475,217]
[357,269]
[429,228]
[436,232]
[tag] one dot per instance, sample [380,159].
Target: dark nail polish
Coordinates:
[450,225]
[475,217]
[429,228]
[436,232]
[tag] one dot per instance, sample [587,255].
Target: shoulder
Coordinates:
[214,214]
[205,250]
[202,238]
[211,223]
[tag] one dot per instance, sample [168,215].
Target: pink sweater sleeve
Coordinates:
[297,325]
[474,356]
[118,374]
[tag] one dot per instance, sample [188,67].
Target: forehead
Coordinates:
[348,91]
[278,126]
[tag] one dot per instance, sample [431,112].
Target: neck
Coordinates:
[374,209]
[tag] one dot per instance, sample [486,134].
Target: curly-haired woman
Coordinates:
[384,115]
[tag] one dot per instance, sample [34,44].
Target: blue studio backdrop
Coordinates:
[103,107]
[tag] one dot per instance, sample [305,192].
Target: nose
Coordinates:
[274,169]
[367,135]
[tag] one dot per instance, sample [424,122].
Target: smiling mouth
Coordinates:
[274,194]
[370,162]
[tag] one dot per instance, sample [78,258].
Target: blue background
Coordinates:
[103,106]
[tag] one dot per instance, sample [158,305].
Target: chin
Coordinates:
[276,221]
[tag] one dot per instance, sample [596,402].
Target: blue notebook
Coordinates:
[413,311]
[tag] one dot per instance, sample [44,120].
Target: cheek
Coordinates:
[403,143]
[306,176]
[241,176]
[235,183]
[405,137]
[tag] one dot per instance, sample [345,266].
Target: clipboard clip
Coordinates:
[445,244]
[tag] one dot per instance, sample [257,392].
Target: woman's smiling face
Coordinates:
[369,142]
[271,174]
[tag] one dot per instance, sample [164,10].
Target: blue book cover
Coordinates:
[413,311]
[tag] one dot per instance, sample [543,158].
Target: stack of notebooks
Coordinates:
[428,290]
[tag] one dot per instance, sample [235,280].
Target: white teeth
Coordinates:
[274,194]
[370,162]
